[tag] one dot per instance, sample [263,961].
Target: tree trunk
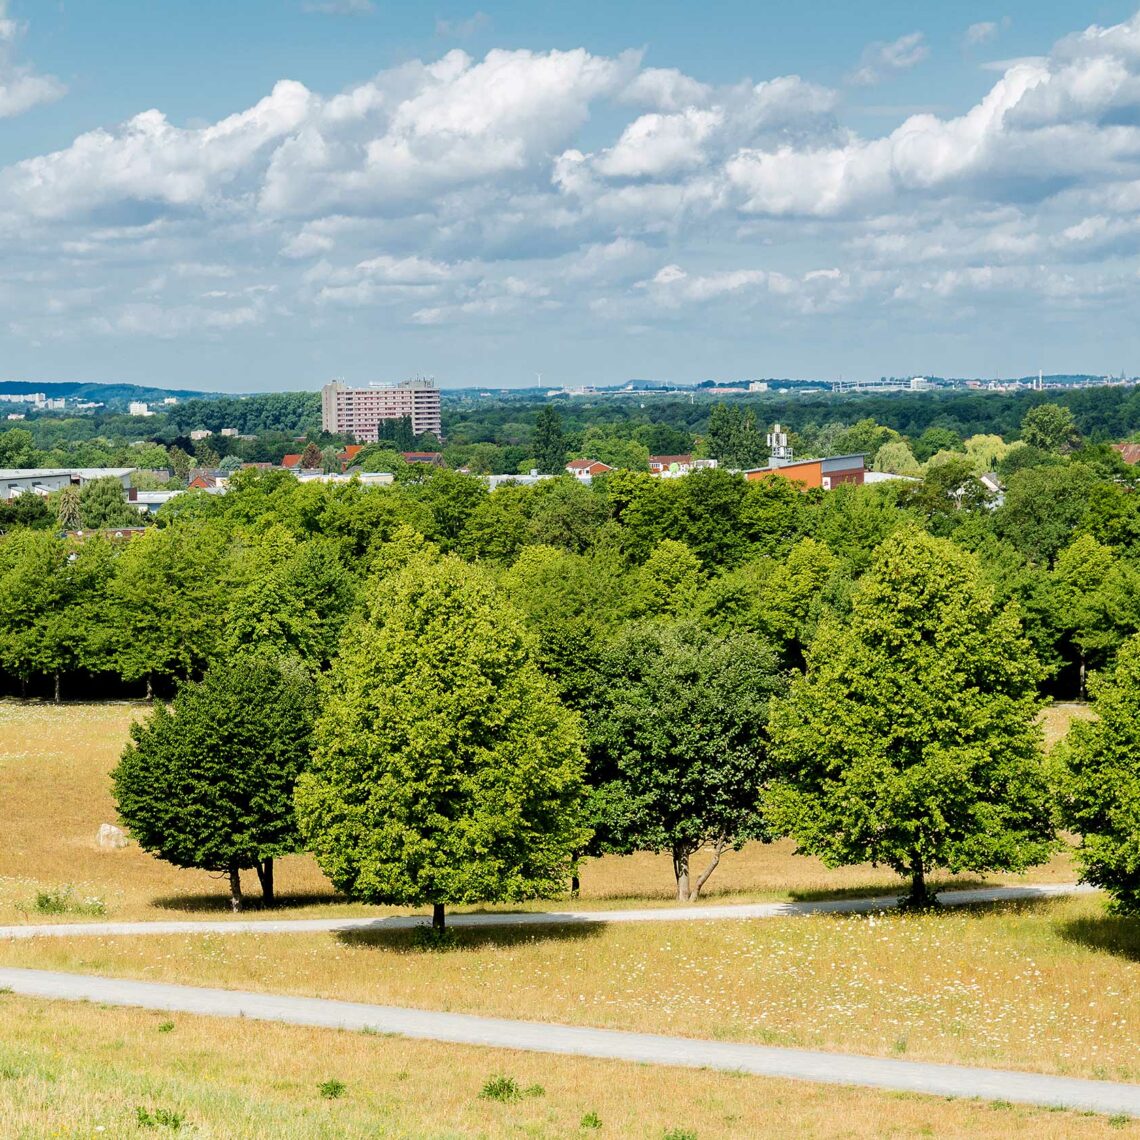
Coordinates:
[58,687]
[681,870]
[1082,692]
[437,919]
[718,851]
[265,877]
[150,687]
[236,901]
[919,896]
[24,688]
[575,885]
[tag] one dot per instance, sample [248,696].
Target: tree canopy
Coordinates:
[445,768]
[911,738]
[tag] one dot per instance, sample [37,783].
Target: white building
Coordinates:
[44,480]
[139,408]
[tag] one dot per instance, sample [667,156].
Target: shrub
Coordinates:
[331,1089]
[165,1026]
[63,900]
[160,1118]
[504,1089]
[679,1134]
[590,1120]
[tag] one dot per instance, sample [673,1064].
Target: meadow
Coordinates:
[1043,986]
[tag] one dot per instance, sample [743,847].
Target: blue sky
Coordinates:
[267,194]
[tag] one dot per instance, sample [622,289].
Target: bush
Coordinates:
[679,1134]
[504,1089]
[590,1120]
[332,1089]
[63,900]
[160,1118]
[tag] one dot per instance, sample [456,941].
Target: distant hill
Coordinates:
[110,394]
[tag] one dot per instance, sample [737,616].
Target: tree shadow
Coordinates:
[458,938]
[884,890]
[220,903]
[1110,933]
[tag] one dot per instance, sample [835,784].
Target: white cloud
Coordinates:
[983,32]
[527,185]
[21,87]
[880,60]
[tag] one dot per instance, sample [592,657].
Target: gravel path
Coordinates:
[768,1061]
[526,918]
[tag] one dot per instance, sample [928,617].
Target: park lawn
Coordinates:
[55,791]
[1046,986]
[84,1071]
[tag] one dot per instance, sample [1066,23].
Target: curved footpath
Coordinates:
[645,1048]
[530,918]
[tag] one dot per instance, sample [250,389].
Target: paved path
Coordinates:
[527,918]
[465,1029]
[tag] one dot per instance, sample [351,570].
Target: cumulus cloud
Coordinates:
[572,184]
[880,60]
[21,87]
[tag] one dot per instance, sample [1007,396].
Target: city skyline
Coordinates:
[483,195]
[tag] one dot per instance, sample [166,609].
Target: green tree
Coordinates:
[1043,507]
[1099,778]
[734,439]
[166,597]
[208,783]
[311,457]
[911,740]
[180,463]
[678,743]
[1096,602]
[17,448]
[102,504]
[548,445]
[445,770]
[1050,427]
[934,440]
[69,508]
[668,583]
[897,458]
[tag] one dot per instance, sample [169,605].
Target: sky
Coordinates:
[267,195]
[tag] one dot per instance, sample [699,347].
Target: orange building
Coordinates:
[824,473]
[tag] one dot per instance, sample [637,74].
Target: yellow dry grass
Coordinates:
[55,791]
[82,1071]
[1046,987]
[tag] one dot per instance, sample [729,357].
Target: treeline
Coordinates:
[637,664]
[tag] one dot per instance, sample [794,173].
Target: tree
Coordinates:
[17,448]
[102,504]
[31,511]
[934,440]
[165,599]
[911,740]
[445,769]
[311,457]
[1099,777]
[1096,602]
[69,508]
[298,606]
[678,743]
[668,583]
[180,463]
[208,783]
[897,458]
[734,439]
[1042,508]
[1050,427]
[548,445]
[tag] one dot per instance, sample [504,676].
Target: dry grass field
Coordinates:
[55,792]
[1044,986]
[82,1071]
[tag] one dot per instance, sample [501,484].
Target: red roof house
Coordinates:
[591,467]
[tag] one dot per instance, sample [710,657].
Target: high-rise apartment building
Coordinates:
[360,411]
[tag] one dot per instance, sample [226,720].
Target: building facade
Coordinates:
[359,412]
[821,473]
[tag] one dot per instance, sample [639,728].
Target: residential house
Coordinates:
[587,468]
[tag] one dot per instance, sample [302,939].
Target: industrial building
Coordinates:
[359,412]
[45,480]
